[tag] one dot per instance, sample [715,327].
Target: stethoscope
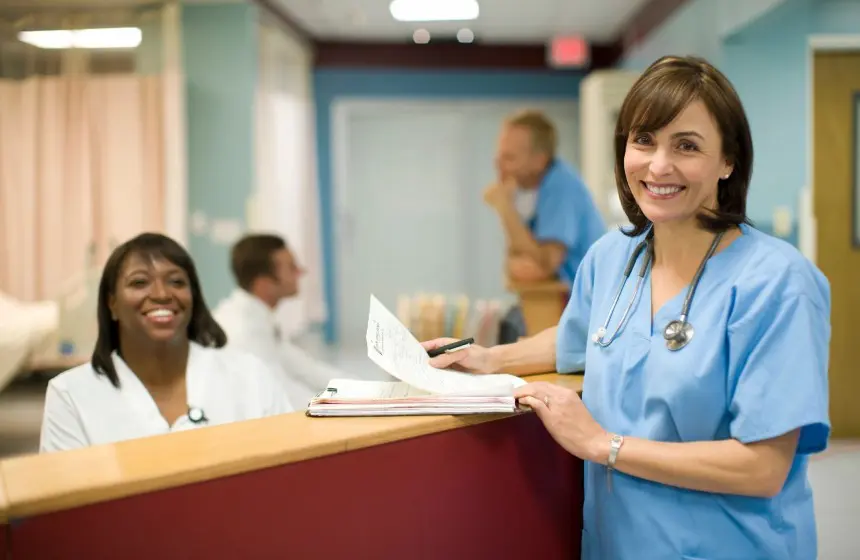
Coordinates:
[678,333]
[196,415]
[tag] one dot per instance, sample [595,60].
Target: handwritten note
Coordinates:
[393,348]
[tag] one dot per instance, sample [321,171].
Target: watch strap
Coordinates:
[615,443]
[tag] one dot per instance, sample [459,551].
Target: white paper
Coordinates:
[371,390]
[393,348]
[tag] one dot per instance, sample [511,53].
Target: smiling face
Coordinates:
[152,300]
[683,148]
[674,172]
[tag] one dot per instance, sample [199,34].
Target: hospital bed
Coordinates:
[50,335]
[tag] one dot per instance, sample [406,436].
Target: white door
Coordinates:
[400,219]
[408,194]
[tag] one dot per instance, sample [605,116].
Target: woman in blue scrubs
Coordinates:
[695,430]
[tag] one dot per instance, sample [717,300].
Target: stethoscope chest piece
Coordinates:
[196,415]
[678,334]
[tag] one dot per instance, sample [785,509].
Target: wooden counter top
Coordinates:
[36,484]
[4,504]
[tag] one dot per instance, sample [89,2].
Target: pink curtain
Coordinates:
[81,166]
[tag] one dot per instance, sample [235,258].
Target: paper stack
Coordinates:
[421,389]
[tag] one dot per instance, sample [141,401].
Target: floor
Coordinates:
[834,474]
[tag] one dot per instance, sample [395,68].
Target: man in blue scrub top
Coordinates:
[546,211]
[550,241]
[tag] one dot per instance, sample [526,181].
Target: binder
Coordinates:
[352,397]
[420,390]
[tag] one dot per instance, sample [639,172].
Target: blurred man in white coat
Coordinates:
[266,273]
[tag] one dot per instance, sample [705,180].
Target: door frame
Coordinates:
[344,109]
[807,224]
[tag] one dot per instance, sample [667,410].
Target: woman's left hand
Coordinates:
[566,419]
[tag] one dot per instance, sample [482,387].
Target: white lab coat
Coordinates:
[251,326]
[83,408]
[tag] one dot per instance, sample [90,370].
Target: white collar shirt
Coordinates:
[251,326]
[83,408]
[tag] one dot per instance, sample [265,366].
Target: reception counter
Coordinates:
[481,486]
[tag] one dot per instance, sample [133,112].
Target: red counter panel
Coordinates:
[503,489]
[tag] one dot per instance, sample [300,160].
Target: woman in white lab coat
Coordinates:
[159,364]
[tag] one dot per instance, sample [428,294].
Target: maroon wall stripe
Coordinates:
[446,55]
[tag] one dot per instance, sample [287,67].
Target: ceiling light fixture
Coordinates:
[105,38]
[434,10]
[421,36]
[465,36]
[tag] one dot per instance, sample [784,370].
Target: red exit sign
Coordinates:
[568,52]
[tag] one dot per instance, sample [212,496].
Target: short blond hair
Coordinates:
[544,135]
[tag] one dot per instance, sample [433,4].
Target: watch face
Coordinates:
[195,414]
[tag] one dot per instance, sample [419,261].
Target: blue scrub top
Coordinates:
[566,214]
[755,369]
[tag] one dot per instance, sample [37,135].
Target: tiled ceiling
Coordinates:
[508,21]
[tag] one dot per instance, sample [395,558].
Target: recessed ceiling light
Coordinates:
[434,10]
[421,36]
[105,38]
[465,36]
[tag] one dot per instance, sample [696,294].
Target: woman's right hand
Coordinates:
[474,359]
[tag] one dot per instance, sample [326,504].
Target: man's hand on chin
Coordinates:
[500,193]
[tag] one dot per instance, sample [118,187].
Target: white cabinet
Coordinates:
[601,94]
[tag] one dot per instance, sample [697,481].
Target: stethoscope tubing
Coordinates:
[676,338]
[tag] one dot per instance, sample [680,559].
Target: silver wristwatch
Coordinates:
[615,443]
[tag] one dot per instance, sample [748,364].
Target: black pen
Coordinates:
[453,347]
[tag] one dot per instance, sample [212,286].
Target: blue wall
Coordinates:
[766,60]
[220,60]
[692,29]
[333,84]
[768,63]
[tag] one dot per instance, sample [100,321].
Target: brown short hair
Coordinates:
[665,89]
[544,135]
[253,257]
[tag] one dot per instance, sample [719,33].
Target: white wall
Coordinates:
[285,199]
[174,133]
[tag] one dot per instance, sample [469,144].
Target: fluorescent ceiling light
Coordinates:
[107,38]
[434,10]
